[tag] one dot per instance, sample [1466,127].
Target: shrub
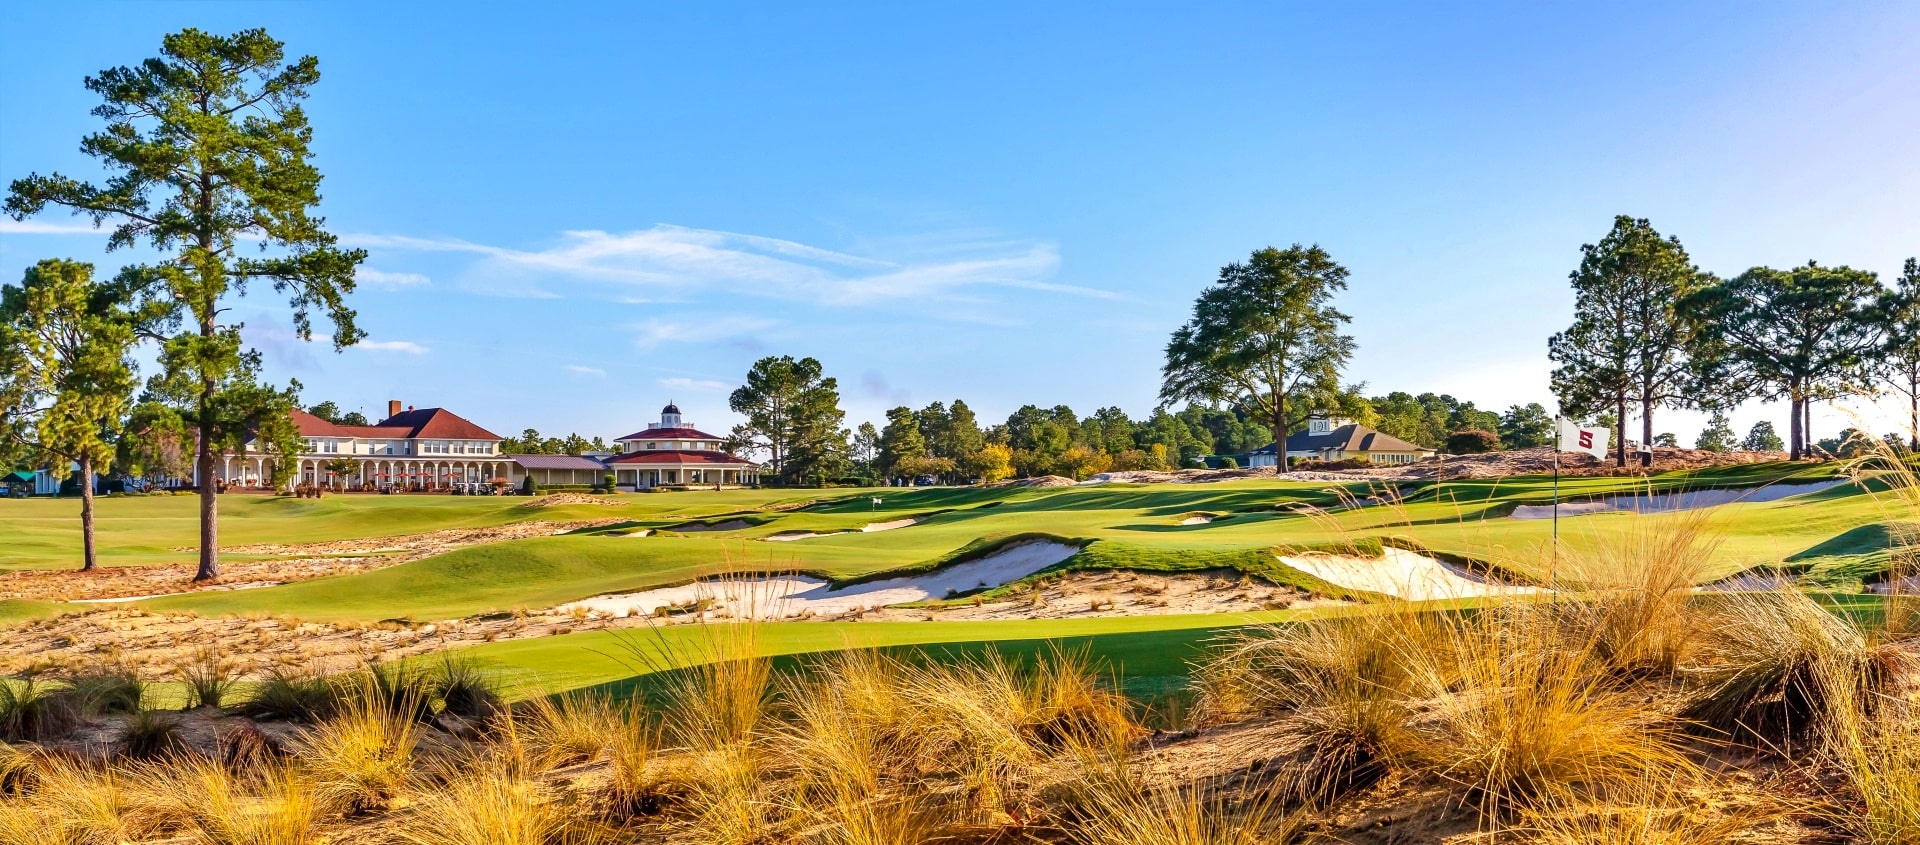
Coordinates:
[207,675]
[1229,462]
[527,487]
[361,758]
[1773,666]
[108,689]
[293,696]
[270,806]
[464,690]
[1472,441]
[32,709]
[151,734]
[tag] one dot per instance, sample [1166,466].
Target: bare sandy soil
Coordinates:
[1119,593]
[302,562]
[156,643]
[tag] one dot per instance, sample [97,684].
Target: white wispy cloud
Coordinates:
[698,385]
[652,333]
[673,261]
[11,226]
[406,346]
[584,370]
[388,280]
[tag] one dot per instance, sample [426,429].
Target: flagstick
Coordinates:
[1553,567]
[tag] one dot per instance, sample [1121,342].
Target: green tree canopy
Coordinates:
[66,378]
[1762,438]
[900,441]
[793,416]
[1526,426]
[1799,334]
[1628,344]
[1265,331]
[1717,436]
[1899,360]
[208,146]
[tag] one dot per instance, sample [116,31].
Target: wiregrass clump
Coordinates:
[1773,666]
[362,757]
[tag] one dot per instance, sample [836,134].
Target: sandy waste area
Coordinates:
[799,596]
[1679,501]
[300,562]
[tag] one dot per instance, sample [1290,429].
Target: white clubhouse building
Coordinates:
[672,452]
[430,449]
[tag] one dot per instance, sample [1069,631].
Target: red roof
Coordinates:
[438,422]
[679,456]
[668,434]
[425,422]
[311,426]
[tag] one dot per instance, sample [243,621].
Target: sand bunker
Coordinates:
[785,597]
[790,536]
[1198,519]
[1409,575]
[697,527]
[558,499]
[1681,501]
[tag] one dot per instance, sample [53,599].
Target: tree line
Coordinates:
[1651,331]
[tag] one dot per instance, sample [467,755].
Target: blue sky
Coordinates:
[578,211]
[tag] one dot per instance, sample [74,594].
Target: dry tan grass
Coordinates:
[361,758]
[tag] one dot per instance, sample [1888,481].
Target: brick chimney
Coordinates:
[393,408]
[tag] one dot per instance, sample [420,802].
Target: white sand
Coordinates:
[790,536]
[892,524]
[640,533]
[1197,520]
[782,597]
[1682,501]
[1409,575]
[1908,586]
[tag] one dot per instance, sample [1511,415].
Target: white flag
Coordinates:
[1573,438]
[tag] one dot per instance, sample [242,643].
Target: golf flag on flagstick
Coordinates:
[1574,438]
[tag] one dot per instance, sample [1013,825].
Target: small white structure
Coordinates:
[1329,438]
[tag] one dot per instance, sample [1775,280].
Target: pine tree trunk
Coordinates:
[1913,415]
[90,558]
[1646,433]
[209,508]
[1793,429]
[1620,430]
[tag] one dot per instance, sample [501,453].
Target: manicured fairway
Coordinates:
[1135,526]
[1147,651]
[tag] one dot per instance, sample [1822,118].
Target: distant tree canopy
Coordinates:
[1717,436]
[530,442]
[1800,335]
[1265,335]
[1628,345]
[793,417]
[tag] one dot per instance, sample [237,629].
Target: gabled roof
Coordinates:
[679,456]
[556,462]
[668,434]
[1351,437]
[425,422]
[438,422]
[311,426]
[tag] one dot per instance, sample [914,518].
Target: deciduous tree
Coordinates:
[1265,331]
[208,147]
[66,378]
